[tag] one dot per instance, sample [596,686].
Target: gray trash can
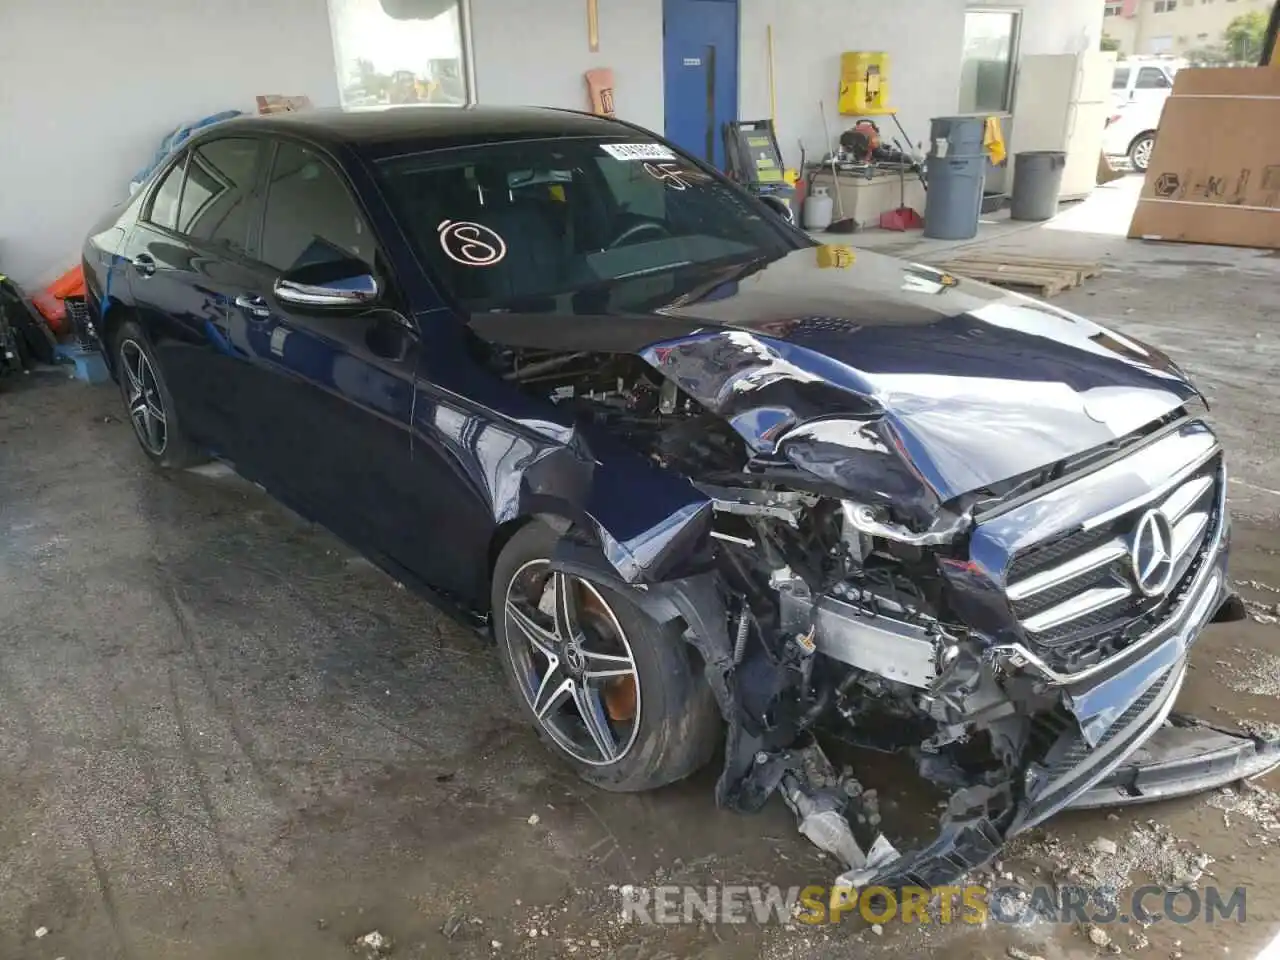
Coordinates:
[963,136]
[1037,181]
[956,172]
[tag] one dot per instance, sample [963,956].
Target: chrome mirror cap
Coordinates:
[349,291]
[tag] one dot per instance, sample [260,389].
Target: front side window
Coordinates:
[398,51]
[218,197]
[1152,78]
[311,217]
[508,223]
[986,72]
[1120,80]
[163,209]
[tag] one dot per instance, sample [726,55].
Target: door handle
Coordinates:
[144,263]
[256,306]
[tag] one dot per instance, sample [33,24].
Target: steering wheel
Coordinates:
[635,230]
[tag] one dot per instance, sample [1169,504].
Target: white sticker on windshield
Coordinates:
[638,151]
[471,244]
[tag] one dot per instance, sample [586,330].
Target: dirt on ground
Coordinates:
[223,735]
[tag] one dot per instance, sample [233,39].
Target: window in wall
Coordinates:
[1113,9]
[311,217]
[990,44]
[398,51]
[1164,6]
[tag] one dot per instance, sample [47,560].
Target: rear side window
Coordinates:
[311,217]
[219,197]
[163,209]
[1121,79]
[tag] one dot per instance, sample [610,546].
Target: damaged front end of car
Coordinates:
[849,564]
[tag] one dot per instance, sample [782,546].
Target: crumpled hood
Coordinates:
[883,376]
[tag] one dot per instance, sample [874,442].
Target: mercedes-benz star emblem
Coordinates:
[1150,554]
[575,659]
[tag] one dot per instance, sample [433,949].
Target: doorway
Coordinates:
[700,63]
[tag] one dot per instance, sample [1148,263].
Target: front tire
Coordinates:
[149,403]
[1140,152]
[614,694]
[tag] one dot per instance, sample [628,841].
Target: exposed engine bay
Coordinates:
[848,615]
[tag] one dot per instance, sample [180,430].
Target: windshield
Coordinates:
[513,222]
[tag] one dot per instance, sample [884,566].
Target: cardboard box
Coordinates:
[1214,176]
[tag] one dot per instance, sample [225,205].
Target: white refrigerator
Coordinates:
[1062,102]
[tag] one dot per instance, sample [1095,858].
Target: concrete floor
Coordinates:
[222,735]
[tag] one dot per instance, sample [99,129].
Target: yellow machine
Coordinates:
[864,84]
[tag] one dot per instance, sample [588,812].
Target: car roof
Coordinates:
[383,132]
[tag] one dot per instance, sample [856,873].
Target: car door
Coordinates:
[175,290]
[1151,89]
[218,208]
[323,395]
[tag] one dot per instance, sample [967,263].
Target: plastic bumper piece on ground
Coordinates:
[1179,761]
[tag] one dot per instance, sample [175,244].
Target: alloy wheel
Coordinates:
[573,663]
[142,395]
[1142,153]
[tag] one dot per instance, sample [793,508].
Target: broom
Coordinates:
[844,224]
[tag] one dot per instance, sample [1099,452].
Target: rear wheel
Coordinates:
[148,401]
[1140,151]
[612,692]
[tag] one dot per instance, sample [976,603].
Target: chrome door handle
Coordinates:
[144,263]
[256,306]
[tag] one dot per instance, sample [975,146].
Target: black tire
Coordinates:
[176,451]
[679,725]
[1140,151]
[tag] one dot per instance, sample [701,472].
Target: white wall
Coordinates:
[89,87]
[537,52]
[1057,26]
[922,37]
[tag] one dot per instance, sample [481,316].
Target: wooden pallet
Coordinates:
[1047,275]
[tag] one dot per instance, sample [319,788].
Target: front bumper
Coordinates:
[1123,751]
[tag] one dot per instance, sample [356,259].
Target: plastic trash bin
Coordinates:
[955,197]
[956,174]
[1037,181]
[956,136]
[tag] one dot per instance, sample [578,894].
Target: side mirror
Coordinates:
[780,207]
[334,283]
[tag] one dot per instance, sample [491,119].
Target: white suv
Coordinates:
[1138,92]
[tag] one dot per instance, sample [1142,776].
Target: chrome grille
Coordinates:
[1080,590]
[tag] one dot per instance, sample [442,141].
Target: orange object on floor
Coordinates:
[49,301]
[70,284]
